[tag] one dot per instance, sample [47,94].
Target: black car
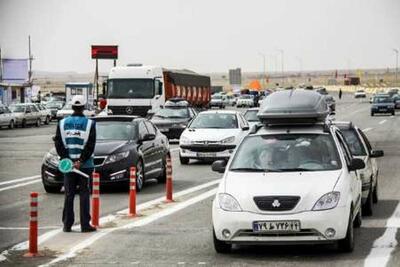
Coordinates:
[173,119]
[382,104]
[122,142]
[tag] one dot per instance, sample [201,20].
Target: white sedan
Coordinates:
[360,93]
[288,185]
[212,135]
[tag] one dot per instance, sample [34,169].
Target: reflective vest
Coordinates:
[75,132]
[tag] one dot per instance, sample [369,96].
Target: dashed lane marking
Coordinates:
[20,180]
[19,185]
[27,228]
[382,122]
[367,129]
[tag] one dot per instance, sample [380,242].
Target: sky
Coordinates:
[204,35]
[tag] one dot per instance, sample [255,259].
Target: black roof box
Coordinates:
[297,106]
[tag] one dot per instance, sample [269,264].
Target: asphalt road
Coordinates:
[184,236]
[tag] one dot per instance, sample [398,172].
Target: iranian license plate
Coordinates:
[276,226]
[207,155]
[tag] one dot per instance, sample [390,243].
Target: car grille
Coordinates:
[208,148]
[98,161]
[136,110]
[276,203]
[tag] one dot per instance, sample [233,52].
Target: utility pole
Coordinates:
[397,62]
[282,64]
[1,67]
[264,75]
[30,62]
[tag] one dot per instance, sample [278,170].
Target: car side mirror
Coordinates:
[219,166]
[245,128]
[148,137]
[356,164]
[377,153]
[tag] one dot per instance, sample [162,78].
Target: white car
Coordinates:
[245,101]
[360,93]
[212,135]
[7,118]
[217,101]
[45,113]
[67,111]
[289,184]
[361,148]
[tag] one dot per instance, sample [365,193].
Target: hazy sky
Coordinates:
[204,35]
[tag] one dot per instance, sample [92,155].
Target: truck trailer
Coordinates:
[136,89]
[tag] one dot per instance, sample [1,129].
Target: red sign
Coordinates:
[105,51]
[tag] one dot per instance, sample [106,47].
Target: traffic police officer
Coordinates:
[76,139]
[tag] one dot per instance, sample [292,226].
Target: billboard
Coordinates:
[104,51]
[15,70]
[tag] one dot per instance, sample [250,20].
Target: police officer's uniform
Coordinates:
[76,139]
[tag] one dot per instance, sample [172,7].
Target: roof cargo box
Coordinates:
[293,107]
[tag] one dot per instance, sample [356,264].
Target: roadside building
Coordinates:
[14,82]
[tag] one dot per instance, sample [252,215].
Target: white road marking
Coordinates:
[382,122]
[174,149]
[19,185]
[367,129]
[20,180]
[27,228]
[384,245]
[142,222]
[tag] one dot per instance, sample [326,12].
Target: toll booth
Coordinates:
[84,89]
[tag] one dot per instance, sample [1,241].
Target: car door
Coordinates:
[155,151]
[355,180]
[145,148]
[28,114]
[36,113]
[3,116]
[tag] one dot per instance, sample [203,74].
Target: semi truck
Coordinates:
[136,89]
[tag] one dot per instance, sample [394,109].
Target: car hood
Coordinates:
[209,134]
[104,148]
[309,186]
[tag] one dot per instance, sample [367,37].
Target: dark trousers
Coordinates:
[71,181]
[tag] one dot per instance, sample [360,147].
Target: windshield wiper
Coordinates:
[248,169]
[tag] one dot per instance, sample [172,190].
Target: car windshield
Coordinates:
[251,115]
[215,121]
[114,130]
[287,152]
[17,108]
[131,88]
[354,143]
[216,97]
[172,113]
[382,99]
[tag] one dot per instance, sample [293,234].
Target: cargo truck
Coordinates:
[137,89]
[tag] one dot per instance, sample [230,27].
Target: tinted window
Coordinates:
[215,120]
[172,113]
[287,152]
[251,115]
[345,149]
[114,130]
[354,142]
[382,99]
[142,129]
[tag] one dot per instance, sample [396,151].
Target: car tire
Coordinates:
[393,113]
[52,189]
[375,197]
[140,177]
[23,123]
[184,161]
[221,246]
[358,219]
[347,244]
[163,177]
[372,114]
[38,122]
[47,121]
[11,125]
[368,206]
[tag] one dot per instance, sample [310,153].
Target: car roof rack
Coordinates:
[294,107]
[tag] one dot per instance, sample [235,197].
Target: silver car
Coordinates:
[7,118]
[26,114]
[45,113]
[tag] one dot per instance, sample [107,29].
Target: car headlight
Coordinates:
[184,141]
[228,202]
[116,157]
[228,140]
[52,159]
[327,201]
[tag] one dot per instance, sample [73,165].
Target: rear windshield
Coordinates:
[172,113]
[382,99]
[107,130]
[215,121]
[354,142]
[251,115]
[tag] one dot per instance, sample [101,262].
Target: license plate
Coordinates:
[164,130]
[206,155]
[382,109]
[276,226]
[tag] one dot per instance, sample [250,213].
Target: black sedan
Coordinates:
[382,104]
[122,142]
[172,120]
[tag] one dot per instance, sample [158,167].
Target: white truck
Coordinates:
[135,89]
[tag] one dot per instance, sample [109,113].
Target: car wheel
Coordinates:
[372,114]
[367,207]
[47,121]
[375,193]
[184,161]
[393,113]
[221,246]
[163,177]
[347,244]
[38,121]
[139,176]
[11,125]
[52,189]
[358,219]
[23,123]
